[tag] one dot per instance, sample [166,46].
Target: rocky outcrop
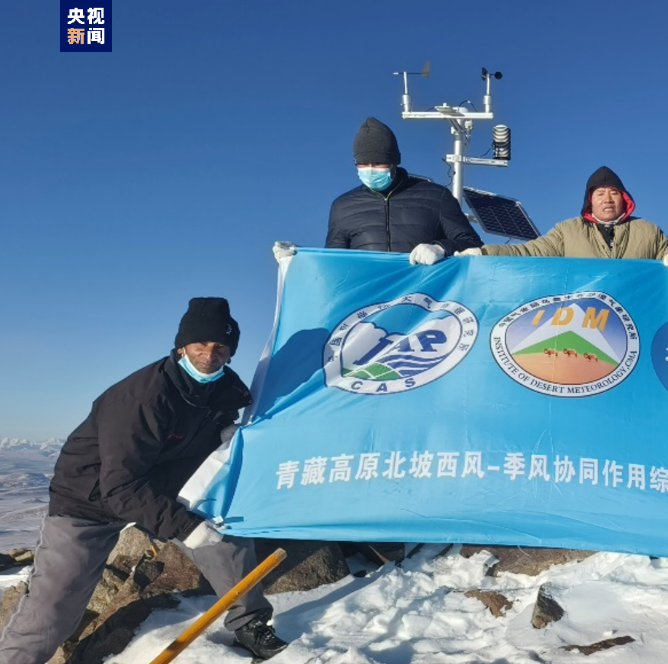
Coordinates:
[141,576]
[601,645]
[546,609]
[16,558]
[523,560]
[9,600]
[497,603]
[309,564]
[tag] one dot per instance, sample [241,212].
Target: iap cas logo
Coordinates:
[573,345]
[395,346]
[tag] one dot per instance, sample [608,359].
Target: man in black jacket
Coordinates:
[392,210]
[126,463]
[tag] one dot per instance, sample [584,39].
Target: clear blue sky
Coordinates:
[134,180]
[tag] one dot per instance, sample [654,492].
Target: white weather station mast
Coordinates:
[498,215]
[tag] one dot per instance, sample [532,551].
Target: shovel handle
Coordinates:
[183,640]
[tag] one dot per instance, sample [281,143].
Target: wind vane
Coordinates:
[496,214]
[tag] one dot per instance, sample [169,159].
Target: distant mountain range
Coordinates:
[48,448]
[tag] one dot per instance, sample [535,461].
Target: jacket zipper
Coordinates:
[387,221]
[609,246]
[386,201]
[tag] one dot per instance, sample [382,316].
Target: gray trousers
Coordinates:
[69,561]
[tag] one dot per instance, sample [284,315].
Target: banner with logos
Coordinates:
[490,400]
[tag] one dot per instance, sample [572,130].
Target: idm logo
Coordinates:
[572,345]
[395,346]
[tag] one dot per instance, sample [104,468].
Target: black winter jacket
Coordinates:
[414,211]
[143,440]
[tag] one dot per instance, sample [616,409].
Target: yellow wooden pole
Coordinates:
[191,633]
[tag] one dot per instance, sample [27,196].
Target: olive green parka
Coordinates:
[584,237]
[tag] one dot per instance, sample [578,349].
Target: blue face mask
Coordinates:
[198,375]
[375,178]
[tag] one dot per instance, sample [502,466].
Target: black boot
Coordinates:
[259,638]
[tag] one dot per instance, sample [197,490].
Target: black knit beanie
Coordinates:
[208,319]
[375,143]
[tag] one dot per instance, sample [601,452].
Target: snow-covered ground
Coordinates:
[415,615]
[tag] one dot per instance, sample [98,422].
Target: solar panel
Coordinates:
[500,215]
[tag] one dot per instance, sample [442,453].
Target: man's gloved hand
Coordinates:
[283,249]
[665,260]
[471,251]
[427,254]
[227,433]
[206,534]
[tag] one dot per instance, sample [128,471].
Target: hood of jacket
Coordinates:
[606,177]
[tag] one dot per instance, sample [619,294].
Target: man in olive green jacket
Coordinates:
[605,229]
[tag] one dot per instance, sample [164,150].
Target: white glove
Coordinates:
[665,260]
[427,254]
[227,433]
[471,251]
[206,534]
[283,250]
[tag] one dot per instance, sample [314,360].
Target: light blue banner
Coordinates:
[516,401]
